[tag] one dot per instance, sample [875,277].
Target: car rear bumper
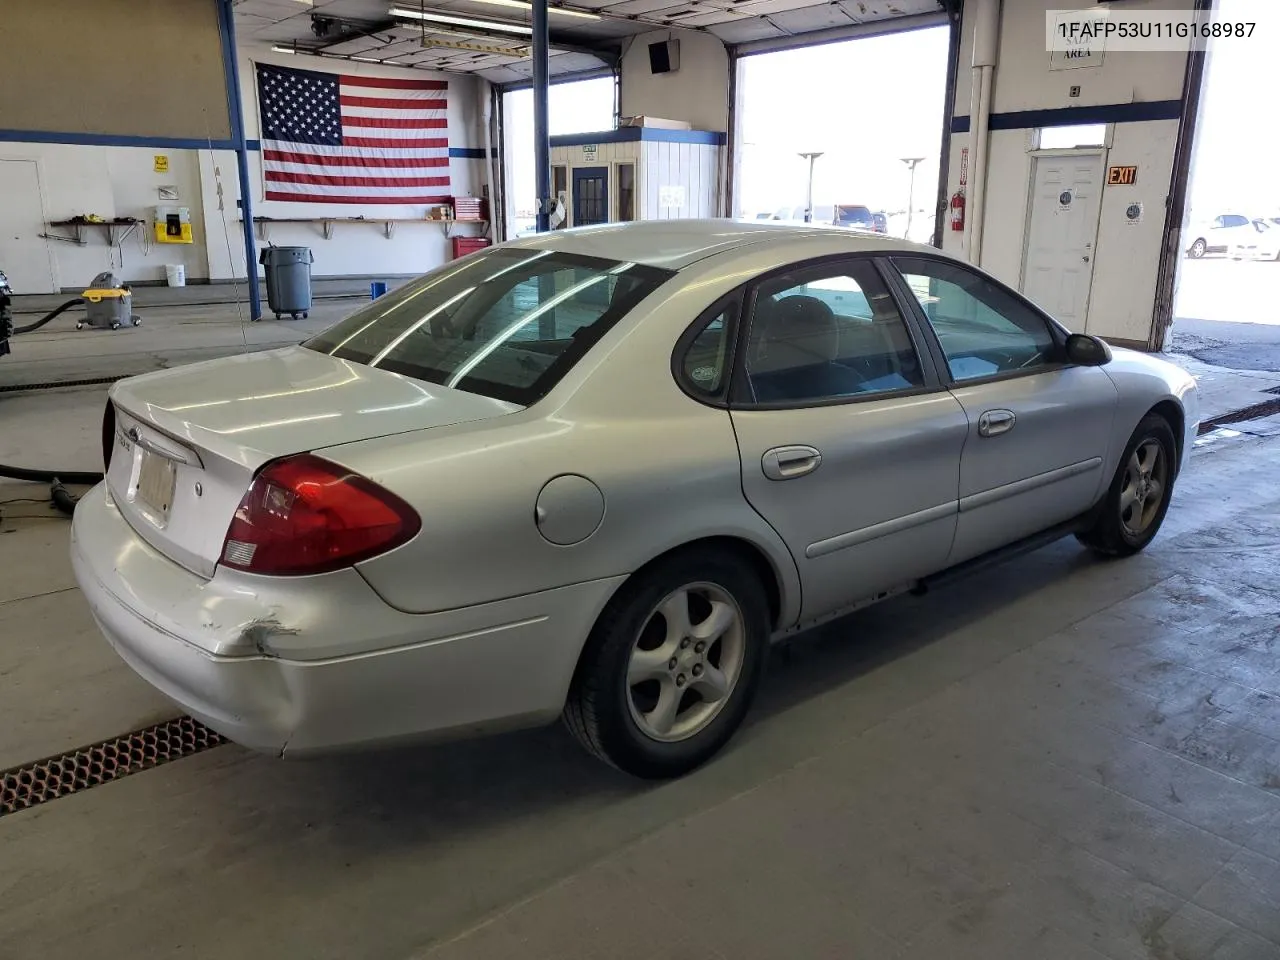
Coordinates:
[305,665]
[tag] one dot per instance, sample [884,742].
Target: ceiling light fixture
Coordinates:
[460,21]
[528,8]
[389,61]
[470,46]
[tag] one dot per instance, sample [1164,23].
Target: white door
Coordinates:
[24,253]
[1058,270]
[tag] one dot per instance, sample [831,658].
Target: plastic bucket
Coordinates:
[377,289]
[175,274]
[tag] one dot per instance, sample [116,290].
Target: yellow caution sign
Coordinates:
[162,163]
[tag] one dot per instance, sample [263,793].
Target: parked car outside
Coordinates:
[880,222]
[1258,240]
[1207,235]
[592,474]
[855,216]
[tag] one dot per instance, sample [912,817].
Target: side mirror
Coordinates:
[1086,351]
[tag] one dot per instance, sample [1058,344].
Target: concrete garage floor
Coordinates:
[1058,758]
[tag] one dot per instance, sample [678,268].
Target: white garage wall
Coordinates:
[697,93]
[1122,295]
[113,182]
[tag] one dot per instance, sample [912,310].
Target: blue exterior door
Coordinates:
[590,195]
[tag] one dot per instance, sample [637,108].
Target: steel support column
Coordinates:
[235,108]
[541,134]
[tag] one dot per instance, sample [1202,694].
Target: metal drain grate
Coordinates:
[57,384]
[1255,412]
[36,783]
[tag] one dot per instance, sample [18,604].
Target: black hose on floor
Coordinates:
[62,498]
[74,302]
[49,476]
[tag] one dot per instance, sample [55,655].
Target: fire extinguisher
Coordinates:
[957,210]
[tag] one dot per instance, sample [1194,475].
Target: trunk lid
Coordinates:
[188,441]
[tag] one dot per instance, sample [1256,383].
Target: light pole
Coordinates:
[911,190]
[808,206]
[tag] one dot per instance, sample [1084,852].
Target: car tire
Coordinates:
[1198,249]
[608,700]
[1127,519]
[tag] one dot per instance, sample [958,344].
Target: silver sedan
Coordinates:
[592,474]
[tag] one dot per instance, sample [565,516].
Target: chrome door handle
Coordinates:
[995,422]
[787,463]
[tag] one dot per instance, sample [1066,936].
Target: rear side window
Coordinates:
[502,323]
[828,333]
[704,367]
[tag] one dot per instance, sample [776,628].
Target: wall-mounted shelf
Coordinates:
[116,233]
[451,222]
[263,224]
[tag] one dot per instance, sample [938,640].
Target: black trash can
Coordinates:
[288,279]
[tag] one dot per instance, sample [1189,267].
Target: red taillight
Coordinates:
[306,515]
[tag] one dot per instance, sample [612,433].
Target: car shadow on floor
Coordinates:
[388,798]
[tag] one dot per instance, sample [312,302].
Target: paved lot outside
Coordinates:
[1227,313]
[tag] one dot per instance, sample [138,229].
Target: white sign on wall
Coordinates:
[1073,41]
[671,197]
[590,151]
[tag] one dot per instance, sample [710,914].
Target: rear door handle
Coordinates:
[787,463]
[995,422]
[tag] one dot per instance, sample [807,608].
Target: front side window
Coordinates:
[502,323]
[828,333]
[983,330]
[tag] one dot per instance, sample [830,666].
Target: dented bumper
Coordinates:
[311,664]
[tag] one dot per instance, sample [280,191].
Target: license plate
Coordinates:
[157,479]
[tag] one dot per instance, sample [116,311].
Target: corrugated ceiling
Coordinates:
[364,29]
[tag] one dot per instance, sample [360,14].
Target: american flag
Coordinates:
[334,138]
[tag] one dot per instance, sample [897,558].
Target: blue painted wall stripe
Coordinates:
[111,140]
[167,143]
[1071,116]
[456,153]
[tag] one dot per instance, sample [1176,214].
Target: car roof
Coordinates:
[676,244]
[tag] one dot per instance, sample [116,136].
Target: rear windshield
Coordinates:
[848,213]
[503,323]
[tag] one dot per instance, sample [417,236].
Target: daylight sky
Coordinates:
[1237,160]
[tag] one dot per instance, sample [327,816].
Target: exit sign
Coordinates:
[1122,176]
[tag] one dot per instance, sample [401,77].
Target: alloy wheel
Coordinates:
[1146,478]
[685,662]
